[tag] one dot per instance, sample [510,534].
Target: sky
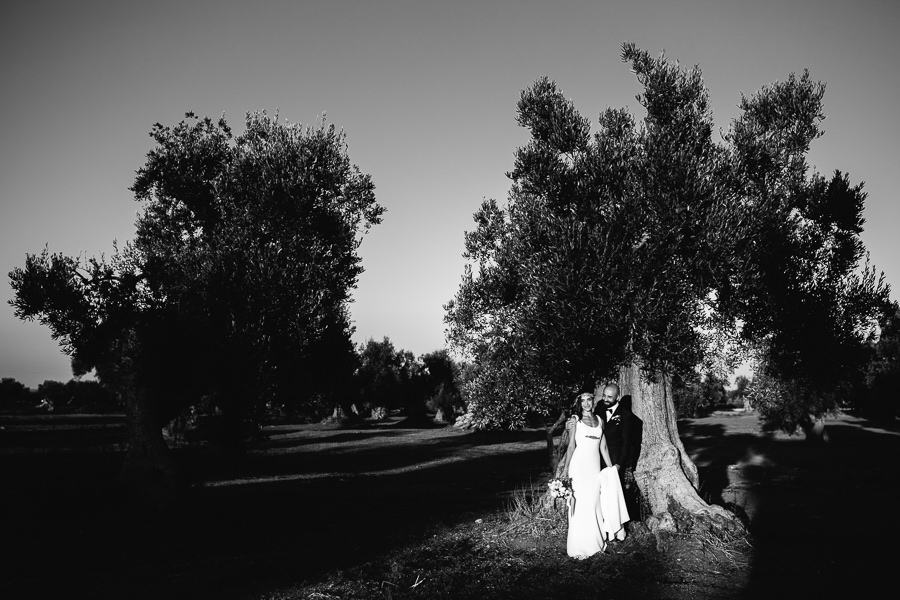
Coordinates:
[426,93]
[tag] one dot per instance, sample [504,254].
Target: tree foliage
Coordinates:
[441,380]
[378,378]
[237,281]
[639,242]
[801,280]
[883,371]
[695,395]
[604,251]
[394,379]
[14,394]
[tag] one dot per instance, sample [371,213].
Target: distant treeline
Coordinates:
[393,380]
[74,396]
[386,380]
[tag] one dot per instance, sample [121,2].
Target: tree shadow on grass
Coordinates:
[280,518]
[293,440]
[819,514]
[347,454]
[285,518]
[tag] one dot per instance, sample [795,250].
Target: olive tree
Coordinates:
[236,283]
[623,253]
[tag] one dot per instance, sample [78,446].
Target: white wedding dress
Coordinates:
[588,529]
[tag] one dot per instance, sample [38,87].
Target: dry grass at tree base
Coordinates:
[520,553]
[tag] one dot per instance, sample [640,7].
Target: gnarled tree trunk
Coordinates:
[554,452]
[148,473]
[665,473]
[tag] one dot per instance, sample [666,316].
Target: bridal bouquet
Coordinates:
[560,488]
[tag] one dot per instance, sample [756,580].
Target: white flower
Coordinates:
[559,489]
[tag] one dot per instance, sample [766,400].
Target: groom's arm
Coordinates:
[625,451]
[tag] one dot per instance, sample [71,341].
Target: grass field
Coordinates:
[386,512]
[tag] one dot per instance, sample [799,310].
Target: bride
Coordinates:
[588,529]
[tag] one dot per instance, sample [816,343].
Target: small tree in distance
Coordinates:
[441,379]
[378,379]
[14,395]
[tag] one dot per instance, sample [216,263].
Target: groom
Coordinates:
[618,427]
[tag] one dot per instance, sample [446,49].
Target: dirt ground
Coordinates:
[312,501]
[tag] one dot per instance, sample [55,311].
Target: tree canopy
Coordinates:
[239,275]
[651,242]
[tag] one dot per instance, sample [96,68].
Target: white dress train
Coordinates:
[597,511]
[612,505]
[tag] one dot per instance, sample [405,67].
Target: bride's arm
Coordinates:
[569,450]
[604,451]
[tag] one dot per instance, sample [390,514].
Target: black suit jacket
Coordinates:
[618,431]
